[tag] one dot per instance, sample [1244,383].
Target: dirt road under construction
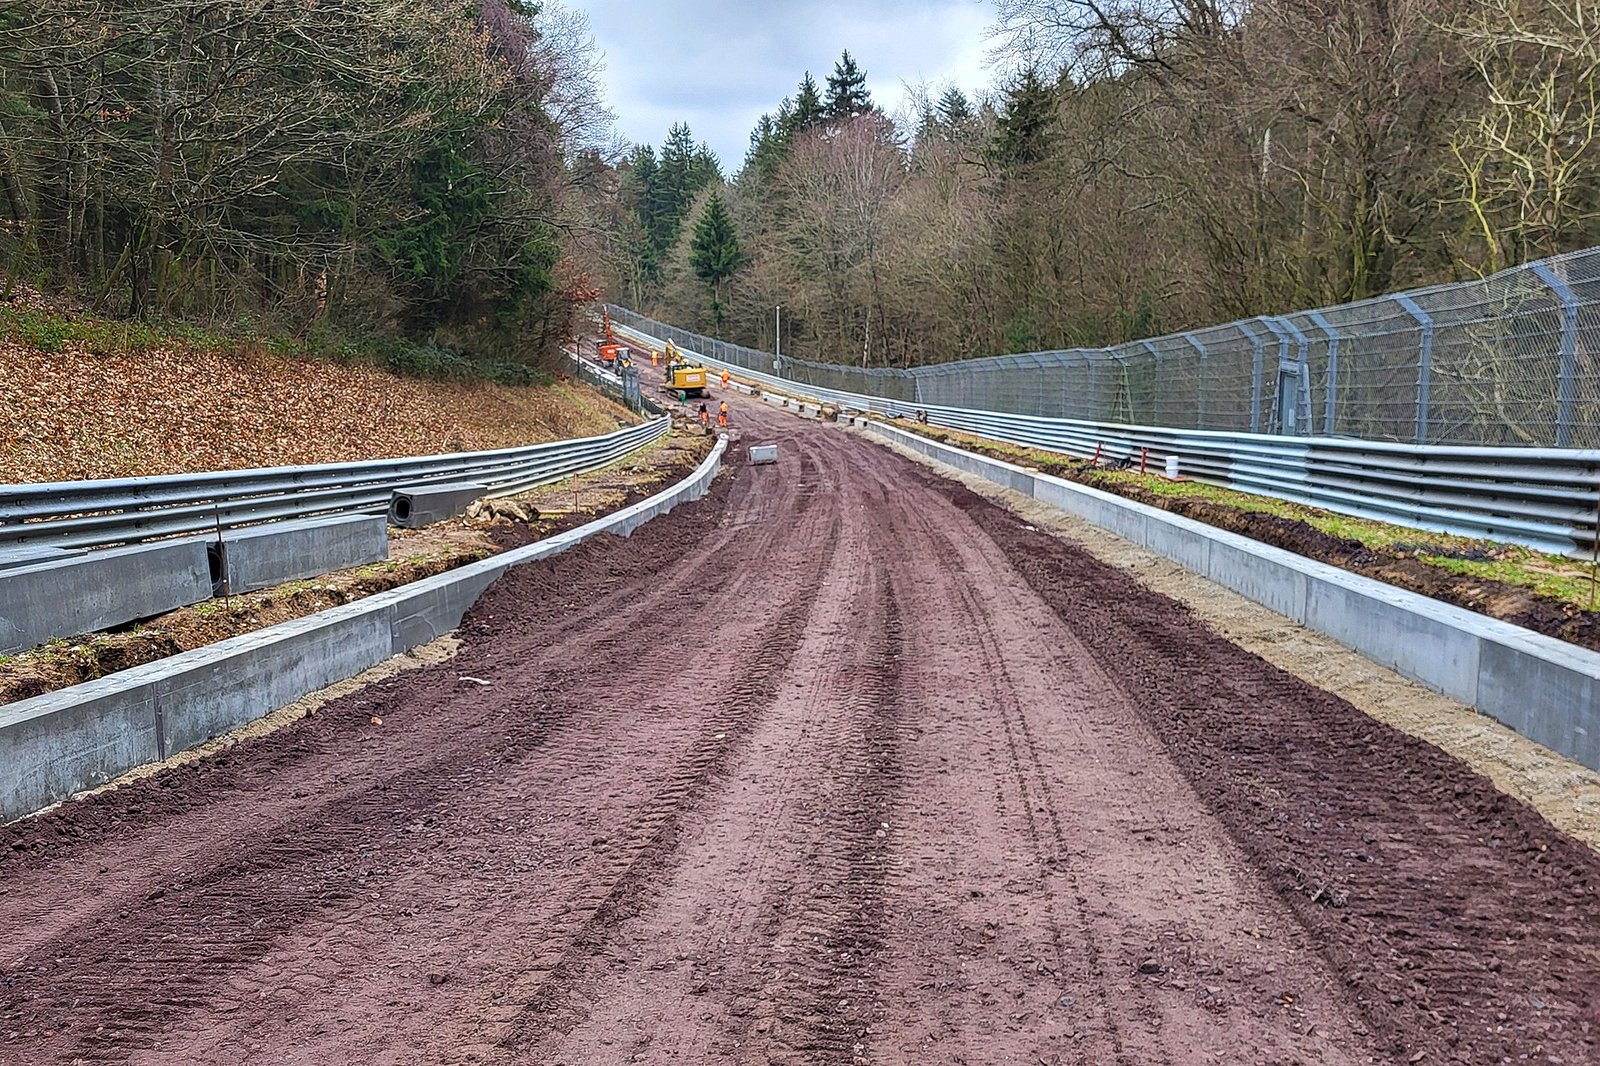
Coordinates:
[841,764]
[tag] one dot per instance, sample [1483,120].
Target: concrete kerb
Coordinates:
[63,742]
[1545,689]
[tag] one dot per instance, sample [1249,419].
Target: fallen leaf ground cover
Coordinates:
[89,398]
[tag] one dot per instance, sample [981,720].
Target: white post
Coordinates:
[777,334]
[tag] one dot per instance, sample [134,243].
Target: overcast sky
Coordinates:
[718,64]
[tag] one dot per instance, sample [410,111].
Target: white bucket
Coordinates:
[1172,467]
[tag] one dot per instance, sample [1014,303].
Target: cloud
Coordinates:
[719,64]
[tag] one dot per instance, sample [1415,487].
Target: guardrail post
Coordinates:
[1567,376]
[1200,384]
[1424,364]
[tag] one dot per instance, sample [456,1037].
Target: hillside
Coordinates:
[79,409]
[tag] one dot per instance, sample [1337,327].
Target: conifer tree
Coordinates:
[808,109]
[1023,132]
[714,252]
[847,90]
[954,110]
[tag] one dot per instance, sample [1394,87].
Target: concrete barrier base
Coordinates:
[259,557]
[1545,689]
[413,508]
[91,591]
[54,745]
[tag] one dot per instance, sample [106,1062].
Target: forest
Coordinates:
[337,171]
[448,175]
[1144,166]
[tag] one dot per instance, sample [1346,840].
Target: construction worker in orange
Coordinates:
[724,379]
[722,414]
[705,417]
[655,357]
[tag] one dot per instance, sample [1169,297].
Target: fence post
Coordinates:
[1302,390]
[1255,376]
[1155,381]
[1330,404]
[1200,386]
[1567,381]
[1424,364]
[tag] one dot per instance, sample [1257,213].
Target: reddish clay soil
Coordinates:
[842,764]
[1512,603]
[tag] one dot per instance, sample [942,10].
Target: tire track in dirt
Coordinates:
[801,807]
[840,764]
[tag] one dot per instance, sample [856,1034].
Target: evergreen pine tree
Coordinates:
[847,90]
[767,145]
[808,109]
[954,110]
[1023,131]
[667,188]
[714,252]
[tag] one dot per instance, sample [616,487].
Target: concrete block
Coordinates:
[423,505]
[100,589]
[1237,563]
[1184,545]
[259,557]
[27,555]
[212,690]
[64,742]
[428,609]
[1409,633]
[761,454]
[1544,689]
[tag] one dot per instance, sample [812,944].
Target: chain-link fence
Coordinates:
[1512,359]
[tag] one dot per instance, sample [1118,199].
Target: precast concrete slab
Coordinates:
[421,505]
[96,590]
[1545,689]
[29,554]
[1234,562]
[212,690]
[1548,694]
[63,742]
[259,557]
[1412,635]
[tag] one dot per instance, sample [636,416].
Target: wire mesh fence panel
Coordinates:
[1511,359]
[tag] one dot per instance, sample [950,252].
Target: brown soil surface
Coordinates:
[78,414]
[413,555]
[1565,793]
[1498,599]
[844,763]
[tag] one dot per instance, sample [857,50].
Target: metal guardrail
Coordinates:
[1545,498]
[129,510]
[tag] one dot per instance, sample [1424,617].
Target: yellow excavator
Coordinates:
[684,379]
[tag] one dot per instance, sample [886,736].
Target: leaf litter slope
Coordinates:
[842,764]
[75,414]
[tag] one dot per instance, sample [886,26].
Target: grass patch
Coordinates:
[1557,577]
